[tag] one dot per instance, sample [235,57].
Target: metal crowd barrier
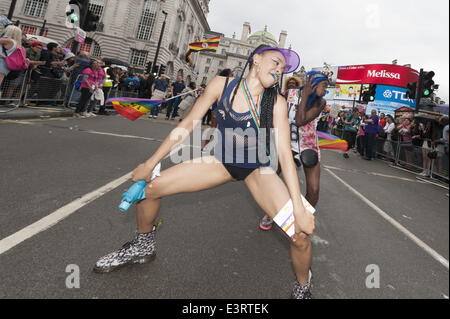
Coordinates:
[415,158]
[338,132]
[74,94]
[24,91]
[11,92]
[388,150]
[440,165]
[45,90]
[408,156]
[41,91]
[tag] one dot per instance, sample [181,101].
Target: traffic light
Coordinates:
[365,96]
[372,92]
[148,69]
[155,70]
[73,13]
[369,94]
[162,70]
[411,91]
[91,22]
[428,86]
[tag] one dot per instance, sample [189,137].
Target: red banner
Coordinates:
[386,74]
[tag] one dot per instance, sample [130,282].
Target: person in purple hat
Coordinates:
[305,104]
[249,109]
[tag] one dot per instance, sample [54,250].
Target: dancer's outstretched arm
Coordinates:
[304,221]
[183,130]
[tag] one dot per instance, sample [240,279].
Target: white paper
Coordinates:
[285,217]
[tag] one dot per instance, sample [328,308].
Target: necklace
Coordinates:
[255,109]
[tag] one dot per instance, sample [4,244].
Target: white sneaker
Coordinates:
[92,114]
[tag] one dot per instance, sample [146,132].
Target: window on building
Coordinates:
[238,50]
[138,57]
[205,80]
[207,69]
[35,8]
[224,52]
[147,21]
[86,46]
[96,50]
[176,33]
[240,63]
[96,7]
[32,30]
[89,46]
[221,63]
[208,60]
[28,29]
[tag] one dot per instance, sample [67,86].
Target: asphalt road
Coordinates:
[209,243]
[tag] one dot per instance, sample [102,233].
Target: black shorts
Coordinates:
[239,173]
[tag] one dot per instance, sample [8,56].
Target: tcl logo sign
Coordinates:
[393,94]
[396,95]
[383,74]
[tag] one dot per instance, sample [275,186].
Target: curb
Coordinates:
[27,113]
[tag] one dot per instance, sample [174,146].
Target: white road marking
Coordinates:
[121,135]
[394,223]
[57,216]
[374,174]
[62,213]
[432,183]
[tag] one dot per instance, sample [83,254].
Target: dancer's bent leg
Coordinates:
[184,178]
[312,176]
[271,194]
[187,177]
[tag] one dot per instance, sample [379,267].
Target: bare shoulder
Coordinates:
[281,104]
[215,86]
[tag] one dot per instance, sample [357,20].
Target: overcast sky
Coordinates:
[348,32]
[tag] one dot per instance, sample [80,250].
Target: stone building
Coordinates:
[233,53]
[129,30]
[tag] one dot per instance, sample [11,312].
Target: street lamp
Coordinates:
[160,40]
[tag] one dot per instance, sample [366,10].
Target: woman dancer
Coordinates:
[303,119]
[267,64]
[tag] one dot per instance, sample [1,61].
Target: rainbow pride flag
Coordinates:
[131,108]
[331,142]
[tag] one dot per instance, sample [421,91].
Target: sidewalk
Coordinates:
[25,113]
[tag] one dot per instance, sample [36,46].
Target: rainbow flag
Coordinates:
[207,45]
[133,109]
[330,142]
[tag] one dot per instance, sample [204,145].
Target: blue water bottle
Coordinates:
[136,192]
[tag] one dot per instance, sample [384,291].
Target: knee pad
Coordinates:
[309,158]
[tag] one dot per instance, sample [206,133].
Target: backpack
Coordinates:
[18,60]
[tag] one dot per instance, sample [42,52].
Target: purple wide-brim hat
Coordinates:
[291,57]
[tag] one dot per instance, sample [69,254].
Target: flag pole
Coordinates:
[172,98]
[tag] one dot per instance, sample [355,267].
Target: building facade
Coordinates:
[233,53]
[129,30]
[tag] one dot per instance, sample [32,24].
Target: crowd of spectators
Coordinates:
[55,75]
[412,141]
